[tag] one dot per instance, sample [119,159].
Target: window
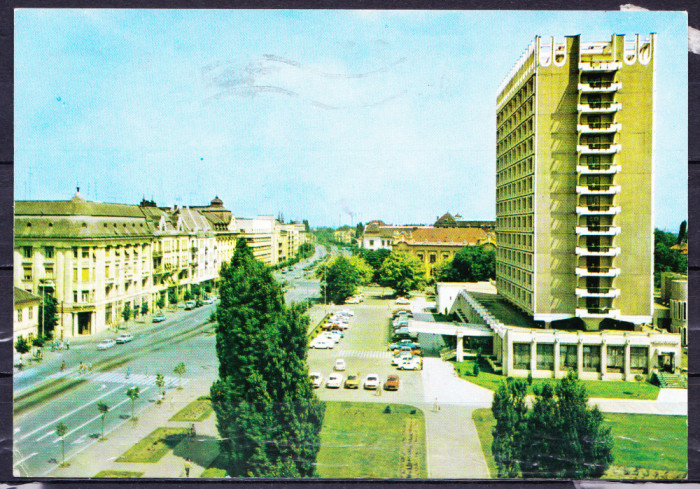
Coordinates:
[86,296]
[48,252]
[639,357]
[75,296]
[432,258]
[27,273]
[371,242]
[591,358]
[19,315]
[616,358]
[86,253]
[30,313]
[545,357]
[49,272]
[521,356]
[27,251]
[420,256]
[568,357]
[75,252]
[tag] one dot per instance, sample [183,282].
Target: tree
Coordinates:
[402,273]
[359,230]
[307,228]
[172,295]
[48,318]
[103,409]
[665,258]
[133,393]
[470,264]
[187,296]
[375,259]
[207,288]
[144,308]
[61,430]
[136,311]
[682,233]
[180,371]
[510,411]
[339,279]
[160,383]
[22,346]
[126,312]
[160,303]
[268,416]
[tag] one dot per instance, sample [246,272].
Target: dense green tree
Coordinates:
[172,295]
[306,250]
[307,228]
[196,291]
[402,273]
[187,296]
[683,233]
[375,259]
[48,318]
[665,258]
[268,416]
[144,308]
[126,312]
[22,346]
[470,264]
[341,277]
[510,411]
[160,303]
[359,230]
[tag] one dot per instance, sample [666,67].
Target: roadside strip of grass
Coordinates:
[611,389]
[121,474]
[646,446]
[152,448]
[361,440]
[197,410]
[314,332]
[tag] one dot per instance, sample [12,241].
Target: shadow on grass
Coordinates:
[201,450]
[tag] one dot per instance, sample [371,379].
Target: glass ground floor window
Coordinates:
[591,358]
[639,359]
[616,358]
[545,356]
[568,357]
[521,356]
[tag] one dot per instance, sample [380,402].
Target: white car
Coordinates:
[346,312]
[321,342]
[397,360]
[334,336]
[316,379]
[104,344]
[339,365]
[402,301]
[352,300]
[371,382]
[334,381]
[125,338]
[410,364]
[211,300]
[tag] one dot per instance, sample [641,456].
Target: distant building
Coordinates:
[26,318]
[378,235]
[344,235]
[456,221]
[674,295]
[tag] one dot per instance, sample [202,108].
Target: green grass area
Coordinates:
[121,474]
[646,446]
[215,470]
[360,440]
[155,445]
[596,388]
[198,410]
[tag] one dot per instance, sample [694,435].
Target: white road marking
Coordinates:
[17,430]
[47,434]
[80,440]
[25,459]
[68,414]
[92,419]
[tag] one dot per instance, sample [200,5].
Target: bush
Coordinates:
[476,370]
[639,377]
[387,410]
[529,378]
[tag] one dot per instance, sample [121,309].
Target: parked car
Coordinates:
[189,305]
[198,303]
[413,363]
[371,382]
[334,381]
[346,312]
[398,359]
[104,344]
[352,300]
[321,342]
[124,338]
[392,383]
[210,300]
[158,318]
[334,336]
[352,382]
[339,365]
[316,379]
[402,301]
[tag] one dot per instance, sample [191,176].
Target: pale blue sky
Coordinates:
[315,114]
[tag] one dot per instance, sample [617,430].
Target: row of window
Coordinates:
[679,310]
[518,223]
[516,153]
[514,256]
[514,205]
[514,239]
[568,357]
[513,291]
[432,256]
[523,95]
[522,131]
[30,313]
[514,172]
[515,273]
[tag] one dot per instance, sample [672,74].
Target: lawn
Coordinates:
[154,446]
[198,410]
[121,474]
[360,440]
[645,445]
[215,470]
[596,388]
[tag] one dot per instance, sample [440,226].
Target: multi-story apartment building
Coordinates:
[574,180]
[260,236]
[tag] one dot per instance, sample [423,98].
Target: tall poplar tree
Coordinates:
[267,413]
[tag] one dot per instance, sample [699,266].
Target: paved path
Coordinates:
[669,402]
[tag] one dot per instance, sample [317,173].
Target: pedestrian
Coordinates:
[89,366]
[67,344]
[80,368]
[63,365]
[436,407]
[128,372]
[187,467]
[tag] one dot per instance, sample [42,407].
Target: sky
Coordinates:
[337,117]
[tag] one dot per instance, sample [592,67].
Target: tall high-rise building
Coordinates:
[574,180]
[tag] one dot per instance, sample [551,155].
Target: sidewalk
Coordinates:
[102,455]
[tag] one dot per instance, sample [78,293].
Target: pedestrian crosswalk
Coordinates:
[133,379]
[363,354]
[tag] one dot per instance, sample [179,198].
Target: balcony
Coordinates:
[598,189]
[599,65]
[597,251]
[597,292]
[597,313]
[599,127]
[599,86]
[598,169]
[597,230]
[599,107]
[597,210]
[598,148]
[597,272]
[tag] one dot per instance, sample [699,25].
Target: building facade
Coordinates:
[26,314]
[574,180]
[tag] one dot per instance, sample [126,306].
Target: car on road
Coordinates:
[321,342]
[104,344]
[316,379]
[158,318]
[210,300]
[397,346]
[392,383]
[402,301]
[339,365]
[352,300]
[411,364]
[124,338]
[334,381]
[371,382]
[352,382]
[189,305]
